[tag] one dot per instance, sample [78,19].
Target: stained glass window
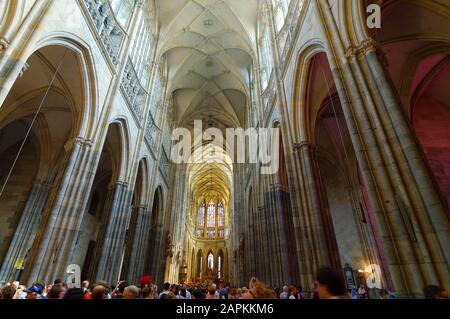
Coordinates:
[211,261]
[221,233]
[221,214]
[201,215]
[211,219]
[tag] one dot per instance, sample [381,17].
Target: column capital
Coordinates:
[4,44]
[363,48]
[298,147]
[43,184]
[80,141]
[115,184]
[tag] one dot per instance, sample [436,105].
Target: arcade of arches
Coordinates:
[88,105]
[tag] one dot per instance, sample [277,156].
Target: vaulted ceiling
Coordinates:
[209,46]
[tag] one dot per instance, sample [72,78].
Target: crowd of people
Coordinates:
[329,285]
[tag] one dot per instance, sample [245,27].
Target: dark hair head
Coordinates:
[57,282]
[8,292]
[122,285]
[166,286]
[197,294]
[73,294]
[55,292]
[432,291]
[332,279]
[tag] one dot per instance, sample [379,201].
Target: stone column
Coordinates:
[112,239]
[26,231]
[418,225]
[63,214]
[318,241]
[138,239]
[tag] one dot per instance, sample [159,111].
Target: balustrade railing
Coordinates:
[151,133]
[109,30]
[134,92]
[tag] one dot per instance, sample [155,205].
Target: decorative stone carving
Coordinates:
[151,132]
[134,92]
[4,44]
[170,247]
[366,46]
[109,30]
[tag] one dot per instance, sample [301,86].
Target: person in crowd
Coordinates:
[315,292]
[20,292]
[74,293]
[197,294]
[434,292]
[385,294]
[8,292]
[168,295]
[301,294]
[118,292]
[47,290]
[144,292]
[363,292]
[224,293]
[85,286]
[166,290]
[259,290]
[99,292]
[330,284]
[293,293]
[35,291]
[15,284]
[131,292]
[212,292]
[56,292]
[233,294]
[175,289]
[285,293]
[184,293]
[153,292]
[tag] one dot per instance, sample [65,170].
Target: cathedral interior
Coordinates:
[92,90]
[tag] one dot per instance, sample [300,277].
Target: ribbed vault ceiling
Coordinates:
[209,46]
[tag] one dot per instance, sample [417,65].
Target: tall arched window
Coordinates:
[220,215]
[211,219]
[210,261]
[265,56]
[201,215]
[210,222]
[280,11]
[142,50]
[123,10]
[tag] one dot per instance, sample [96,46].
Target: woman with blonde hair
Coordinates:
[258,290]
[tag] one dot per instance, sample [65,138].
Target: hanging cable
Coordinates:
[32,123]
